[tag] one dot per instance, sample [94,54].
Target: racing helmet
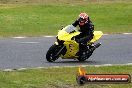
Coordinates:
[83,18]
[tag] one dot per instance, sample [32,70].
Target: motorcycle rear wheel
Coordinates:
[51,53]
[81,58]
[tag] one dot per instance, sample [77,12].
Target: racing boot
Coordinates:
[82,49]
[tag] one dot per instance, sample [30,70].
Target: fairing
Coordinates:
[72,46]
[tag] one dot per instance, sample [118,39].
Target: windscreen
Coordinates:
[70,29]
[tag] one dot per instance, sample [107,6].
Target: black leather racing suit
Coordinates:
[86,32]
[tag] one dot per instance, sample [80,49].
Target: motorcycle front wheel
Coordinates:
[52,52]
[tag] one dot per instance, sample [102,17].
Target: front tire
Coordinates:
[51,53]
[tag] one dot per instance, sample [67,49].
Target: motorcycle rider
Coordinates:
[86,30]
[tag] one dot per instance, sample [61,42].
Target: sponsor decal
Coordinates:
[83,78]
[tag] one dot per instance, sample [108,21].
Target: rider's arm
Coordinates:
[91,32]
[75,23]
[91,27]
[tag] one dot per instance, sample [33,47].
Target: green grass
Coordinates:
[46,18]
[63,77]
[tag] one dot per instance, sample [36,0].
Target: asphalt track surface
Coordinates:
[31,52]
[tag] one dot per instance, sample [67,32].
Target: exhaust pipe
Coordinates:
[95,46]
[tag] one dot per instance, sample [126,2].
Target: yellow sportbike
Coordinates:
[67,48]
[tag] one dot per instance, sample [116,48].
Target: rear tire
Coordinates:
[83,58]
[51,53]
[92,48]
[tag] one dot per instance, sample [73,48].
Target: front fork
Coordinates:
[60,51]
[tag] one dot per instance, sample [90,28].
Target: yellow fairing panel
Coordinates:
[72,48]
[97,36]
[66,36]
[63,35]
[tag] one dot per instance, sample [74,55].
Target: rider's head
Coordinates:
[83,18]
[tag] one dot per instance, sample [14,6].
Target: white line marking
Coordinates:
[8,70]
[22,69]
[49,36]
[104,65]
[127,33]
[69,66]
[40,67]
[128,63]
[19,37]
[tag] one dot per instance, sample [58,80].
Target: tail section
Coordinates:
[97,36]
